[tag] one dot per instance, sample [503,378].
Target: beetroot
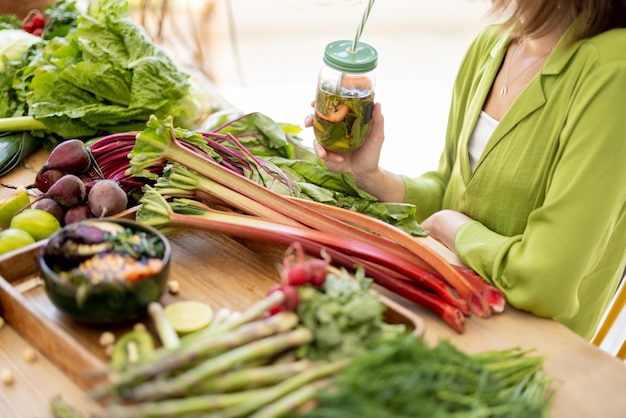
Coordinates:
[107,198]
[53,207]
[46,177]
[69,156]
[77,214]
[68,191]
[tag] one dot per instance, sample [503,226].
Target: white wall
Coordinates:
[269,63]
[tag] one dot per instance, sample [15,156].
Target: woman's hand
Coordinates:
[443,225]
[363,161]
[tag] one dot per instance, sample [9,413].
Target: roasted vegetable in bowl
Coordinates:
[106,270]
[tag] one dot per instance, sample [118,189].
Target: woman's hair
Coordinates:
[538,16]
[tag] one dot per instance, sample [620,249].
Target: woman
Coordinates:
[531,187]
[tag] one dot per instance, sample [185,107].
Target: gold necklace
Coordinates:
[505,88]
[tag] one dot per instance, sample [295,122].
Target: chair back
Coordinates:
[608,331]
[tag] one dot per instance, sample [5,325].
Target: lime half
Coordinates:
[187,316]
[8,208]
[13,238]
[37,222]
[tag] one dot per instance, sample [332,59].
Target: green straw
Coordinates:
[361,26]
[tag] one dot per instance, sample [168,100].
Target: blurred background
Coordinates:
[264,55]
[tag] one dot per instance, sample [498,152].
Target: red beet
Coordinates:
[77,214]
[69,191]
[51,206]
[106,198]
[69,156]
[46,177]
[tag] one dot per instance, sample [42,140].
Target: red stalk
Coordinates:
[248,227]
[450,314]
[494,296]
[434,261]
[313,218]
[431,283]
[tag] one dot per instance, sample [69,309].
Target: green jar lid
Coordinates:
[339,55]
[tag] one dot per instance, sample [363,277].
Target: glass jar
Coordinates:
[345,95]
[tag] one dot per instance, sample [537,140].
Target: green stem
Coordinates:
[292,401]
[178,385]
[166,333]
[181,406]
[274,393]
[21,123]
[199,350]
[254,377]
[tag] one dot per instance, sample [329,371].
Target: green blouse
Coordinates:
[548,195]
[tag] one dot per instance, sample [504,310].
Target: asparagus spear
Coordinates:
[254,377]
[187,354]
[179,406]
[179,384]
[292,401]
[275,393]
[272,399]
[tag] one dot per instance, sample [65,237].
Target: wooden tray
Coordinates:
[209,267]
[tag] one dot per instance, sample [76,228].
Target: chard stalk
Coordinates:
[159,143]
[342,250]
[178,177]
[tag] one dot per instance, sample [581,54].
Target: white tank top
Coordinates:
[481,134]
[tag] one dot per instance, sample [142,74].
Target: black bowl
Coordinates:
[107,301]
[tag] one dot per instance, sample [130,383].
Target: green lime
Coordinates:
[13,238]
[187,316]
[8,208]
[38,223]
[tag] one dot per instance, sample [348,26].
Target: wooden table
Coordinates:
[589,382]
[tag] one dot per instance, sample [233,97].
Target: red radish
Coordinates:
[69,156]
[304,271]
[45,178]
[38,21]
[106,198]
[292,298]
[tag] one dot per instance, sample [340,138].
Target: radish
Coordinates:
[302,271]
[107,198]
[291,301]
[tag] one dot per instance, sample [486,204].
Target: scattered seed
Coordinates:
[173,286]
[108,350]
[30,355]
[7,377]
[107,338]
[139,327]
